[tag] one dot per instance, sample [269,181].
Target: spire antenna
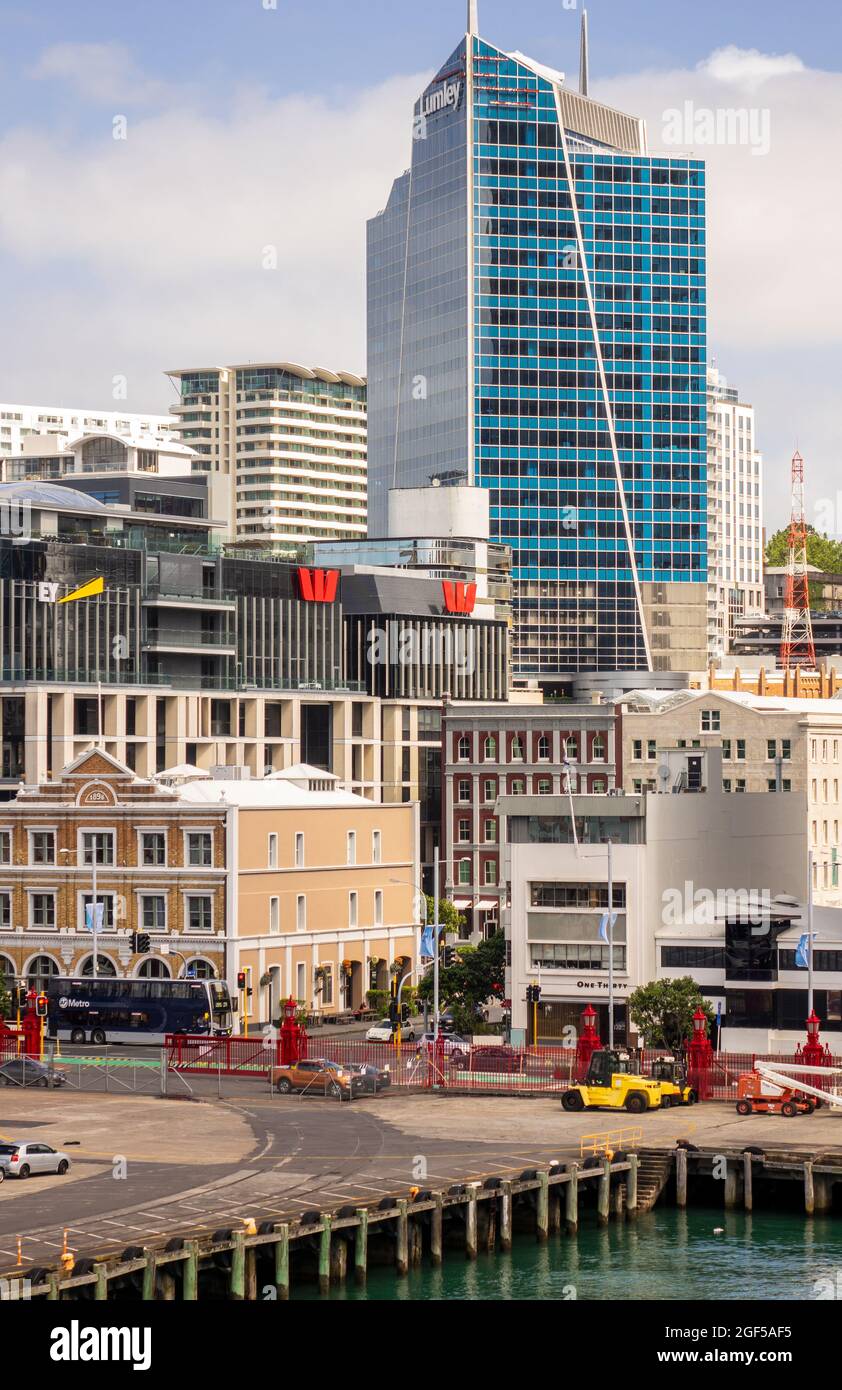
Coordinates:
[583,55]
[473,20]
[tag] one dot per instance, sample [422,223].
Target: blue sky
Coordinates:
[251,128]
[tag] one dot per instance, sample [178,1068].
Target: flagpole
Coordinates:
[809,932]
[610,952]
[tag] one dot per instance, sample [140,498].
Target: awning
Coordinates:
[485,904]
[461,903]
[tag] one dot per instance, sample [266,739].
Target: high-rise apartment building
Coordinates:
[735,510]
[291,442]
[536,327]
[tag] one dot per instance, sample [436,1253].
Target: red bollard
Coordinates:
[588,1042]
[700,1058]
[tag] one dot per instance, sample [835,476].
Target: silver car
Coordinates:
[31,1156]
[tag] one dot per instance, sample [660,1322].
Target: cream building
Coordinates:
[768,743]
[735,511]
[291,442]
[322,889]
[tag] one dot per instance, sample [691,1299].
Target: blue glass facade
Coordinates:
[570,381]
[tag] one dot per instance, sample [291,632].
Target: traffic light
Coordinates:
[533,994]
[140,942]
[20,996]
[449,956]
[393,1013]
[41,1006]
[241,979]
[404,1013]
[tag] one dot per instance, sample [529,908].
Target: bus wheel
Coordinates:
[98,1037]
[77,1035]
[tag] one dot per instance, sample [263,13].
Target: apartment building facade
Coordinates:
[63,423]
[323,889]
[497,753]
[769,744]
[291,442]
[160,866]
[735,513]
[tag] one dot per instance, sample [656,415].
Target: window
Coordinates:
[741,750]
[489,789]
[273,851]
[464,870]
[573,956]
[199,912]
[5,911]
[771,785]
[464,792]
[98,847]
[42,911]
[598,786]
[464,833]
[489,872]
[786,784]
[491,832]
[352,909]
[517,749]
[543,748]
[105,903]
[637,749]
[579,895]
[376,851]
[651,750]
[726,750]
[352,847]
[786,748]
[299,850]
[490,747]
[741,784]
[710,721]
[545,786]
[694,957]
[771,748]
[518,786]
[726,784]
[42,847]
[598,748]
[5,846]
[274,916]
[327,985]
[153,848]
[153,911]
[200,848]
[300,912]
[464,750]
[378,907]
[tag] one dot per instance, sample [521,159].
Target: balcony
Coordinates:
[177,640]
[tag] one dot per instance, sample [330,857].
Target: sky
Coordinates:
[226,222]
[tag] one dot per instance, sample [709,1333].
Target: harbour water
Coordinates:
[666,1255]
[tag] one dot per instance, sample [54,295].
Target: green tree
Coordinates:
[662,1011]
[824,553]
[476,977]
[5,998]
[450,918]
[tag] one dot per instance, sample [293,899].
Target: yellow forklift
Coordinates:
[615,1082]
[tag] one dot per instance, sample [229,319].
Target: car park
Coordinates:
[28,1071]
[31,1157]
[316,1076]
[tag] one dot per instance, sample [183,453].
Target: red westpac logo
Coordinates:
[459,598]
[318,586]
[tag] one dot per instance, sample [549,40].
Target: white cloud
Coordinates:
[99,72]
[747,68]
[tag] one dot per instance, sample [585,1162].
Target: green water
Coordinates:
[665,1255]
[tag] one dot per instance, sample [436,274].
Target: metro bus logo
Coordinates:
[459,598]
[318,586]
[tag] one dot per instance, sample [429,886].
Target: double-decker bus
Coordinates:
[110,1010]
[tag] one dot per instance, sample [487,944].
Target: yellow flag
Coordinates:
[94,586]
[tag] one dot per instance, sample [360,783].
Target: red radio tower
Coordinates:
[797,645]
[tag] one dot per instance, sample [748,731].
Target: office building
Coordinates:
[66,423]
[536,328]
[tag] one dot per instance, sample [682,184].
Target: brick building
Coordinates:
[160,864]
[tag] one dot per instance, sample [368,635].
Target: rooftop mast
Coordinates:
[583,55]
[797,645]
[473,21]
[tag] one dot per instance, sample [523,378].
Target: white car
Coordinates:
[30,1156]
[452,1043]
[382,1032]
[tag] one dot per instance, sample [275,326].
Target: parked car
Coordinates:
[317,1076]
[382,1032]
[28,1071]
[372,1079]
[453,1043]
[29,1156]
[499,1058]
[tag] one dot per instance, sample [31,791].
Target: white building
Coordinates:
[735,510]
[291,442]
[19,422]
[704,884]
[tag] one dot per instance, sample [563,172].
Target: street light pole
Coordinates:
[809,932]
[610,953]
[435,945]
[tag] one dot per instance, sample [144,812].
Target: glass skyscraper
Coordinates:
[536,327]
